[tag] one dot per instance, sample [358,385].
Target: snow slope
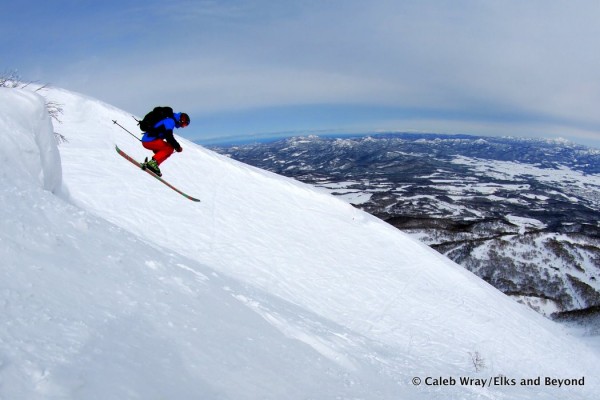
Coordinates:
[90,311]
[117,287]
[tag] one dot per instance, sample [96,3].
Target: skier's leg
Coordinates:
[162,150]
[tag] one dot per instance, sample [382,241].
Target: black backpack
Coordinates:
[154,117]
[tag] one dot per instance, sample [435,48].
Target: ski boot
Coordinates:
[152,165]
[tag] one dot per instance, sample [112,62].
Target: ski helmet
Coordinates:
[184,120]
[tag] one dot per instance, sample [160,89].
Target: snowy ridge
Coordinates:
[34,156]
[267,289]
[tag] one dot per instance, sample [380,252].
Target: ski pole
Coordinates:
[116,123]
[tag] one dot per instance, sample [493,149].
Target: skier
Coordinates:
[158,136]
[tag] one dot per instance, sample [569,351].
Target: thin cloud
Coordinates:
[503,60]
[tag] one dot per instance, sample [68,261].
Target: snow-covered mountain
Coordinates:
[112,286]
[522,214]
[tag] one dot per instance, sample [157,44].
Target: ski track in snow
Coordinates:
[114,286]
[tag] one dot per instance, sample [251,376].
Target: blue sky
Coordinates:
[254,68]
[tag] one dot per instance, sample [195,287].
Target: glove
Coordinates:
[179,149]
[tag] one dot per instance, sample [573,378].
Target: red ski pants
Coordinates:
[162,150]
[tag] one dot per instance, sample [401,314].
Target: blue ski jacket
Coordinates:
[164,130]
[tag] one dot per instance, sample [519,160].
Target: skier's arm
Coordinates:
[172,141]
[169,125]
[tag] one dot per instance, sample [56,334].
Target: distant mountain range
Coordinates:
[523,214]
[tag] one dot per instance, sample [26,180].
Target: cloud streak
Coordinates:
[531,61]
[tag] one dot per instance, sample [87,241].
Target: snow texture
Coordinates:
[112,286]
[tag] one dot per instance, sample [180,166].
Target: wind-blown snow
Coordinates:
[268,288]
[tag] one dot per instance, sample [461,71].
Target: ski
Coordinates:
[139,165]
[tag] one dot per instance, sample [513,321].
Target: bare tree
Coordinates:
[10,79]
[477,360]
